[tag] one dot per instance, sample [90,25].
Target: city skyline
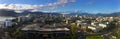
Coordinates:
[91,6]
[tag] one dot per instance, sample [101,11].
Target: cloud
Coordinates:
[60,3]
[64,2]
[19,7]
[91,2]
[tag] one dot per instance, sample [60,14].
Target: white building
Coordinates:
[78,23]
[94,23]
[1,24]
[5,23]
[24,18]
[21,19]
[92,28]
[95,28]
[8,23]
[103,25]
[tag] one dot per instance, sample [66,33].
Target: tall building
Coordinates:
[1,24]
[78,23]
[21,19]
[8,22]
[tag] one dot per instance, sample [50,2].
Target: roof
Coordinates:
[35,27]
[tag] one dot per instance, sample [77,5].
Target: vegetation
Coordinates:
[18,34]
[117,33]
[73,31]
[94,37]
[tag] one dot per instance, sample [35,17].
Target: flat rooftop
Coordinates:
[35,27]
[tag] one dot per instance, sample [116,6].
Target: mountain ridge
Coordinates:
[6,12]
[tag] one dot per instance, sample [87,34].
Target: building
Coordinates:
[24,18]
[94,23]
[1,24]
[78,23]
[21,19]
[8,23]
[102,25]
[95,28]
[47,32]
[84,26]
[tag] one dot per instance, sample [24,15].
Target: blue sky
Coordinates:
[92,6]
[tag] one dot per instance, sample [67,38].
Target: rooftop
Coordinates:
[36,27]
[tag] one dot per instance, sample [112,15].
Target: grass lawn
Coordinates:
[94,37]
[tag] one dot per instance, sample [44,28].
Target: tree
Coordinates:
[117,33]
[73,31]
[94,37]
[18,35]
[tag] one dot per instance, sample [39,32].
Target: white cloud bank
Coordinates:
[19,7]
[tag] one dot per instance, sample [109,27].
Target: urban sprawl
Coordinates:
[48,26]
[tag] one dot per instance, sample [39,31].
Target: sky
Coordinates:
[91,6]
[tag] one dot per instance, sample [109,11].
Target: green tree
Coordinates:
[18,35]
[116,30]
[117,33]
[94,37]
[73,31]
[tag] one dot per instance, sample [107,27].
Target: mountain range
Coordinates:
[6,12]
